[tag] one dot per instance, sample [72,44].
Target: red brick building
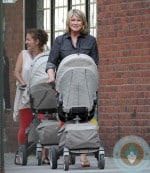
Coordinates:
[123,35]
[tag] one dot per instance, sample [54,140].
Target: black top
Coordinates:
[62,47]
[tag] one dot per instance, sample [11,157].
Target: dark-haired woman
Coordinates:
[35,41]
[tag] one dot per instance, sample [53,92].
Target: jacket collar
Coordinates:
[67,35]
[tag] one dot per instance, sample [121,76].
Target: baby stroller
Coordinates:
[77,85]
[40,133]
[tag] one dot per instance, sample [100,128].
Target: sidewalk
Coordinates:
[31,167]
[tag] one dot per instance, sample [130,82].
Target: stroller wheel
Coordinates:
[66,158]
[39,157]
[101,159]
[53,157]
[66,163]
[22,152]
[72,159]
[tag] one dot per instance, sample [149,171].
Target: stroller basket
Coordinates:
[80,136]
[48,131]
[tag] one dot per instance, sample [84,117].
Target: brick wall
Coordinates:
[124,90]
[13,43]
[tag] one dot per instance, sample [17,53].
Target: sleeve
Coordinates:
[94,52]
[53,58]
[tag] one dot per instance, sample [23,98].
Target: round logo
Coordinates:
[131,153]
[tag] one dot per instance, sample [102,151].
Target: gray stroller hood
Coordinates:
[38,73]
[42,94]
[77,82]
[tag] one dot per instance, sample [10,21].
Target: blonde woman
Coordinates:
[35,41]
[76,39]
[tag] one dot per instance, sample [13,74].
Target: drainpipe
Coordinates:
[1,91]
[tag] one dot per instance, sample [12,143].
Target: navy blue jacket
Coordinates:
[62,47]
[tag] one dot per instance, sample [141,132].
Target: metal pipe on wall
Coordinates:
[1,91]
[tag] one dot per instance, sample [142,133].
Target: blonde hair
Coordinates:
[80,15]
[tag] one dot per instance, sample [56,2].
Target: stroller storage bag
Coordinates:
[80,136]
[31,131]
[48,132]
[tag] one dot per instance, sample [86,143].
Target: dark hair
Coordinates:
[38,34]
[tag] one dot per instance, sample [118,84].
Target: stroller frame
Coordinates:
[34,147]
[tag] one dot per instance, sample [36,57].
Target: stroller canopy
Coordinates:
[38,73]
[77,82]
[42,96]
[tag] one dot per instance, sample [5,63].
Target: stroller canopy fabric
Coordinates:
[77,81]
[38,73]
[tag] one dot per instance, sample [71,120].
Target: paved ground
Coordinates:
[33,168]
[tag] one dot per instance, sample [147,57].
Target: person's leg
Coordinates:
[84,160]
[45,159]
[24,121]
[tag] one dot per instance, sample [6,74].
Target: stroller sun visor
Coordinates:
[77,82]
[38,73]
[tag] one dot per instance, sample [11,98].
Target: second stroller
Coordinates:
[43,102]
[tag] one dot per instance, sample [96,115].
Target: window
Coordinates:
[51,15]
[60,16]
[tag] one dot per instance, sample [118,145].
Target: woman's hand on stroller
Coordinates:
[51,80]
[51,75]
[22,87]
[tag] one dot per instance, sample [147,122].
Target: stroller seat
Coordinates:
[43,98]
[77,84]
